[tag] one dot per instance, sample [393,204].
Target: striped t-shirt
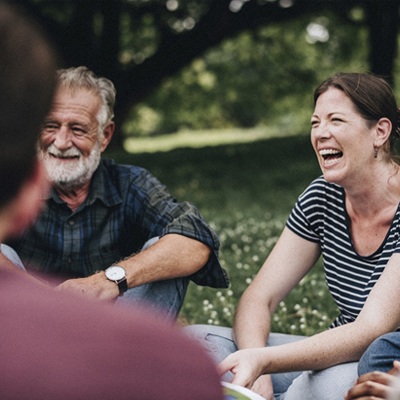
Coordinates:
[319,215]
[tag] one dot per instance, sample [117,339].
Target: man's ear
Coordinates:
[24,208]
[108,132]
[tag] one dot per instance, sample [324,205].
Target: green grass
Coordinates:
[245,191]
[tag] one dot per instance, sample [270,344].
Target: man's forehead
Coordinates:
[80,101]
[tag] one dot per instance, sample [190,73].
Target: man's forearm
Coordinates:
[170,257]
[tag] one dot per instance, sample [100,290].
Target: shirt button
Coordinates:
[71,222]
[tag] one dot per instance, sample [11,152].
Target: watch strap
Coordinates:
[122,286]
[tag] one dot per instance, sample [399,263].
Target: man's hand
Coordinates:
[96,286]
[377,385]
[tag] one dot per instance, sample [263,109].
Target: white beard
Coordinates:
[70,174]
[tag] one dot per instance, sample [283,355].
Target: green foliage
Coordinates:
[138,38]
[260,77]
[246,192]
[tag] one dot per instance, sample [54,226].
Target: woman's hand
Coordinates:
[263,386]
[377,385]
[246,365]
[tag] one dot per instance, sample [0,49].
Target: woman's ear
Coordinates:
[24,208]
[383,129]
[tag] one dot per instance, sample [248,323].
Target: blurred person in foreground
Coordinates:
[350,216]
[54,345]
[379,370]
[108,217]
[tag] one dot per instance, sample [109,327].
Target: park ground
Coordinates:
[245,186]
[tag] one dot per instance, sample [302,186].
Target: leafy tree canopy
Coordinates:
[142,44]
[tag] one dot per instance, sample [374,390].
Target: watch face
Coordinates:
[115,273]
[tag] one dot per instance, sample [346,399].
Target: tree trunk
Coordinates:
[383,21]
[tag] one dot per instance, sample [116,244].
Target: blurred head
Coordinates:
[78,127]
[373,99]
[27,82]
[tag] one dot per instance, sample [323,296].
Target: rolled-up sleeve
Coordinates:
[161,214]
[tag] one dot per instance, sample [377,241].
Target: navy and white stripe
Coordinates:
[319,215]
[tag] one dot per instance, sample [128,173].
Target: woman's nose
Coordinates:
[321,131]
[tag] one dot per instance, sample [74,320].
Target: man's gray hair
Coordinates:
[82,78]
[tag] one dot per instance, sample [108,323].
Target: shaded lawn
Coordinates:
[245,191]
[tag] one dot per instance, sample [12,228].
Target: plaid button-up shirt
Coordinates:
[125,207]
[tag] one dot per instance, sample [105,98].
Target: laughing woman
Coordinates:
[350,215]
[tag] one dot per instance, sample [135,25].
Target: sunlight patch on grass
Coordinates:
[201,138]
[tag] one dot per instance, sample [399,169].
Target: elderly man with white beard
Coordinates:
[111,231]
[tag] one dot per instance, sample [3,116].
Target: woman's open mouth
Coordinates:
[330,156]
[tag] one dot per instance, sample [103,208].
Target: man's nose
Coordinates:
[63,138]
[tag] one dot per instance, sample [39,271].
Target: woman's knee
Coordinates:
[216,340]
[328,384]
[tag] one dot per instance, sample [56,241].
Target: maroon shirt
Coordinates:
[56,346]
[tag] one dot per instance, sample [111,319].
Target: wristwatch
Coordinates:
[117,274]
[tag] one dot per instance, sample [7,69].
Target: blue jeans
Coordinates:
[329,384]
[12,255]
[381,353]
[164,297]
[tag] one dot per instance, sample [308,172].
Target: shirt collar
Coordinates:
[102,187]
